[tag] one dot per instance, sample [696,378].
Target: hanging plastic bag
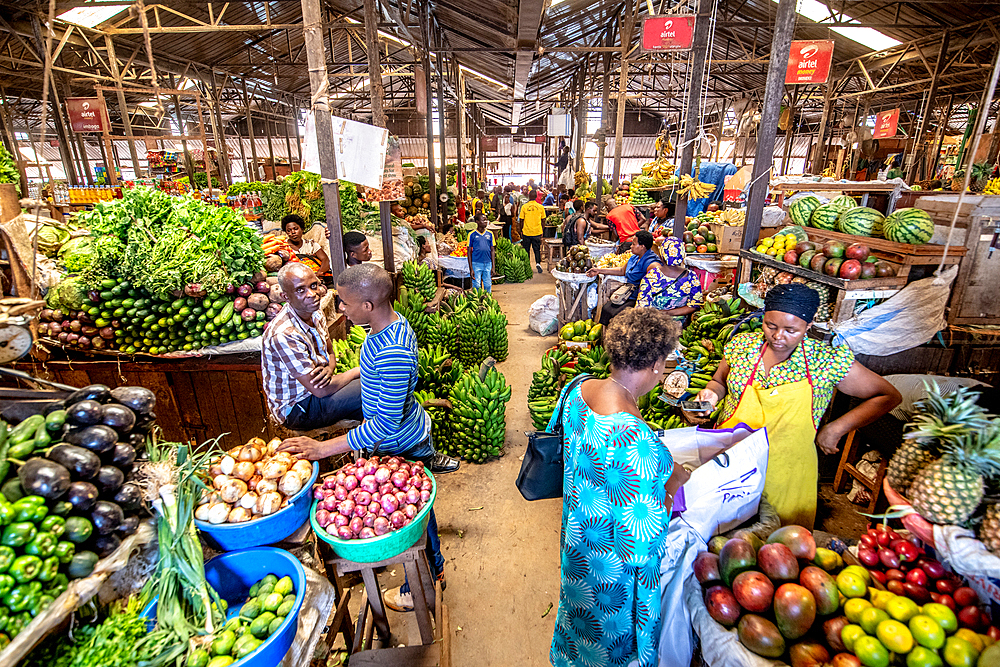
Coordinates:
[543,315]
[905,320]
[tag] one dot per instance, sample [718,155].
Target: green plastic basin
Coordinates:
[383,547]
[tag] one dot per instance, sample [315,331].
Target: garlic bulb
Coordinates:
[268,503]
[239,515]
[290,483]
[233,490]
[243,470]
[249,500]
[266,486]
[201,512]
[218,513]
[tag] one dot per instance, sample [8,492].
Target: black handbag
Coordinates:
[541,475]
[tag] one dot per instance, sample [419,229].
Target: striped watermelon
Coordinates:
[877,231]
[843,202]
[859,221]
[825,217]
[802,210]
[909,225]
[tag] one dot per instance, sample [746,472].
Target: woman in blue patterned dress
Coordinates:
[618,487]
[671,286]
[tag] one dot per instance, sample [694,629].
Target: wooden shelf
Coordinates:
[849,186]
[887,283]
[925,250]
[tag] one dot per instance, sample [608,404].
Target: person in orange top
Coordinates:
[625,220]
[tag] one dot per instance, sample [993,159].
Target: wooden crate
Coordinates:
[903,254]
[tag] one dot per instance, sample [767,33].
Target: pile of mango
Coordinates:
[581,331]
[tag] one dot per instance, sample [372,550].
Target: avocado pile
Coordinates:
[577,260]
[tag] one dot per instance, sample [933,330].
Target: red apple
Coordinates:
[888,558]
[916,593]
[965,597]
[883,538]
[850,269]
[906,551]
[868,557]
[858,251]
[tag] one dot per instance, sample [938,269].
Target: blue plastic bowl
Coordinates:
[232,574]
[270,529]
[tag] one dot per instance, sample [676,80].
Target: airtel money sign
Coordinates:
[673,32]
[809,62]
[86,114]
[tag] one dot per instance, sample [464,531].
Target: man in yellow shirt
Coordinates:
[531,216]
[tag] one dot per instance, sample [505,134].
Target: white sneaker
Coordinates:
[398,602]
[539,267]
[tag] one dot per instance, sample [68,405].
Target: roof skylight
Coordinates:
[89,17]
[869,37]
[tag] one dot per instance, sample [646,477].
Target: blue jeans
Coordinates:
[312,412]
[482,276]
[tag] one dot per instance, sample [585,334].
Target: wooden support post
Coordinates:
[784,26]
[181,128]
[459,81]
[109,45]
[254,176]
[219,130]
[819,160]
[270,147]
[626,39]
[298,140]
[378,119]
[319,82]
[789,133]
[65,152]
[581,115]
[602,141]
[918,136]
[942,130]
[442,135]
[428,104]
[288,142]
[692,117]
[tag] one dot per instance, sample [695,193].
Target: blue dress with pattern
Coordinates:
[614,527]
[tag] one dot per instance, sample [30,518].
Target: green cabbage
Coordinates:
[70,294]
[77,254]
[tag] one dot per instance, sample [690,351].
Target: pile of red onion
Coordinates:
[372,497]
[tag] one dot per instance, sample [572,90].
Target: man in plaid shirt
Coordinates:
[302,388]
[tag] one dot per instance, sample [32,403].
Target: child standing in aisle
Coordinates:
[481,255]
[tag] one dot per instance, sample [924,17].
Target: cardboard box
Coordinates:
[728,238]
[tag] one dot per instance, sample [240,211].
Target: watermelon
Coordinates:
[843,202]
[859,221]
[825,217]
[877,231]
[909,225]
[802,210]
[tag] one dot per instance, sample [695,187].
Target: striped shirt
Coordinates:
[394,422]
[291,347]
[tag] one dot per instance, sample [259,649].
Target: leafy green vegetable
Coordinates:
[77,254]
[110,644]
[8,169]
[69,294]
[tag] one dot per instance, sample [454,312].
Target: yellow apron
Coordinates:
[792,465]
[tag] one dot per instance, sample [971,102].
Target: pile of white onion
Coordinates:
[250,482]
[372,497]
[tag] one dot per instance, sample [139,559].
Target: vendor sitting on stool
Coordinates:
[303,391]
[395,424]
[642,260]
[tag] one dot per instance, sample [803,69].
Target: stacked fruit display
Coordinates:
[581,331]
[441,428]
[640,197]
[613,260]
[577,260]
[906,225]
[419,278]
[437,371]
[774,593]
[561,364]
[478,415]
[546,384]
[698,237]
[347,351]
[411,305]
[622,193]
[833,258]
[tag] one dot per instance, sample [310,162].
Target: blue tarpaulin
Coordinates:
[711,172]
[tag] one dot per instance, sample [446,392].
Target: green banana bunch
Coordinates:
[594,361]
[357,336]
[411,306]
[441,428]
[419,278]
[479,415]
[437,371]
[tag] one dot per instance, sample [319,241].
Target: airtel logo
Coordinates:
[86,105]
[809,51]
[669,24]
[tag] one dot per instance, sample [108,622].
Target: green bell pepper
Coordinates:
[7,512]
[23,596]
[4,641]
[64,552]
[43,546]
[27,509]
[7,584]
[4,616]
[41,604]
[17,623]
[56,525]
[50,568]
[18,534]
[7,556]
[58,584]
[25,568]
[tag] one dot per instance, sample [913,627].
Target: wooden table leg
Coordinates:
[375,601]
[841,480]
[419,597]
[424,568]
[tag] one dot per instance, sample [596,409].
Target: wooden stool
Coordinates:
[846,471]
[422,589]
[554,252]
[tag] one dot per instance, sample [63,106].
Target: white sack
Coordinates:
[543,315]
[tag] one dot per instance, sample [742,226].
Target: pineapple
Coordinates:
[989,531]
[939,418]
[950,489]
[981,172]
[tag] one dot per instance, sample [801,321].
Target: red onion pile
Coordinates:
[372,497]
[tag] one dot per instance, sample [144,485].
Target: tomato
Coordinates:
[869,541]
[917,576]
[923,657]
[942,615]
[959,653]
[871,653]
[946,586]
[965,596]
[926,631]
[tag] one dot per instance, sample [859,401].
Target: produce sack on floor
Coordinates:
[907,319]
[676,638]
[316,608]
[543,315]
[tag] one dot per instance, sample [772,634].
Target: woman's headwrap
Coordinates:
[673,251]
[795,299]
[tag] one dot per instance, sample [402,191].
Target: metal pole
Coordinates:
[220,147]
[603,141]
[428,97]
[820,158]
[270,147]
[312,22]
[441,127]
[626,39]
[219,129]
[692,119]
[254,176]
[378,119]
[581,115]
[188,163]
[65,151]
[918,137]
[784,26]
[459,82]
[122,106]
[789,134]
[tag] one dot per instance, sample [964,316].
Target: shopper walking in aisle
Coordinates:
[478,204]
[619,483]
[579,226]
[395,423]
[781,379]
[642,260]
[482,255]
[496,201]
[302,387]
[531,216]
[507,211]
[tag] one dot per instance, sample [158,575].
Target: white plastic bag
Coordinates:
[543,315]
[676,639]
[905,320]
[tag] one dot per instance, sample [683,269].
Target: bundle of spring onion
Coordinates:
[188,610]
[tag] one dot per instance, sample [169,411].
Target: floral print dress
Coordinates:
[614,527]
[657,290]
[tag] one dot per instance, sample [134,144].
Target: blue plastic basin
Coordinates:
[270,529]
[232,574]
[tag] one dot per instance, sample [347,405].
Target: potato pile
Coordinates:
[250,482]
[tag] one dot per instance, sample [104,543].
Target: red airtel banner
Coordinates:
[86,114]
[809,62]
[672,32]
[885,124]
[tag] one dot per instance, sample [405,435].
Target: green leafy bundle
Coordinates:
[8,169]
[239,188]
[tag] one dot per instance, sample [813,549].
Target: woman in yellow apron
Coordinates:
[780,379]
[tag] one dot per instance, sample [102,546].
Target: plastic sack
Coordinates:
[676,638]
[964,553]
[543,315]
[905,320]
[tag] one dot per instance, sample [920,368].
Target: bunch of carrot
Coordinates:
[273,243]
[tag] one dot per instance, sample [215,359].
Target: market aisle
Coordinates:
[503,571]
